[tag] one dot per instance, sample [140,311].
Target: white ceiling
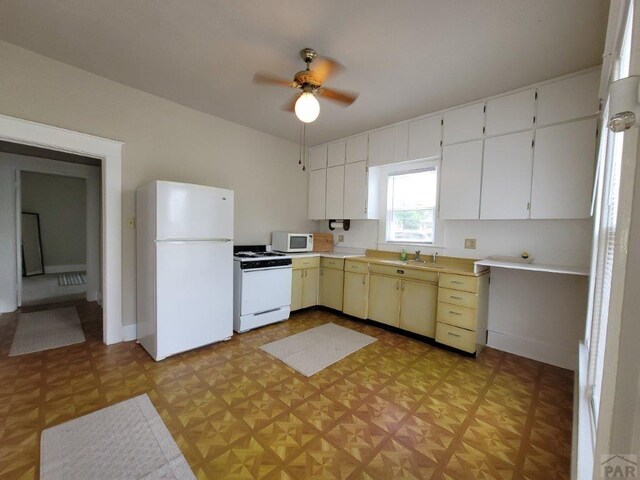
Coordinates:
[405,57]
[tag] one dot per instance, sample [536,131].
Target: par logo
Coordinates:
[619,466]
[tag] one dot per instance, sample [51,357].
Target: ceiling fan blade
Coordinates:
[345,98]
[324,68]
[290,106]
[273,80]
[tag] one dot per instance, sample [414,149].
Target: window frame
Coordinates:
[387,171]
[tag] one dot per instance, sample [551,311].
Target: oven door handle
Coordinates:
[266,311]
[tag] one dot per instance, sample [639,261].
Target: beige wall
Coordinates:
[162,141]
[61,204]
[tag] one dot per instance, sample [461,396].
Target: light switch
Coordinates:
[470,243]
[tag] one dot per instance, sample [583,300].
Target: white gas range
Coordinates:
[261,287]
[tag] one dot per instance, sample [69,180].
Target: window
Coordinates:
[411,206]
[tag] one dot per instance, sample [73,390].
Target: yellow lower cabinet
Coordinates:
[331,287]
[418,308]
[296,289]
[456,337]
[384,299]
[356,293]
[310,287]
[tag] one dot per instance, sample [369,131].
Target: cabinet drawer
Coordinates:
[356,267]
[456,337]
[458,316]
[305,262]
[457,297]
[402,272]
[459,282]
[337,263]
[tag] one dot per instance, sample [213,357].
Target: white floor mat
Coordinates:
[312,350]
[46,329]
[127,440]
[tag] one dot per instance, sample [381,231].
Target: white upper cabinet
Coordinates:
[563,169]
[511,113]
[463,124]
[317,190]
[506,176]
[461,176]
[335,192]
[382,146]
[568,99]
[336,153]
[355,191]
[318,157]
[425,137]
[357,148]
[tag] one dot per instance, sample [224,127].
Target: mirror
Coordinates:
[32,262]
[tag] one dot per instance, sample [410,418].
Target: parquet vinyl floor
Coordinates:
[398,408]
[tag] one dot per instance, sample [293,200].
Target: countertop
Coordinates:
[536,267]
[428,266]
[341,253]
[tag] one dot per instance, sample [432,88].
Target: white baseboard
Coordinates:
[543,352]
[130,332]
[65,268]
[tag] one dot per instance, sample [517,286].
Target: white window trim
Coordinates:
[405,167]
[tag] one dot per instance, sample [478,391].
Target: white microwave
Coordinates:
[291,242]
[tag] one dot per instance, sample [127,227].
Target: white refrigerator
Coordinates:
[184,242]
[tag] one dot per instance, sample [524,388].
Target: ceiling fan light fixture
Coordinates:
[307,107]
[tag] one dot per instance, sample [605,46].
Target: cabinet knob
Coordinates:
[364,280]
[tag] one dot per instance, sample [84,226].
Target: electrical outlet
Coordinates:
[341,238]
[131,222]
[470,243]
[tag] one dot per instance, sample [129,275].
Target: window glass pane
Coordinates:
[411,204]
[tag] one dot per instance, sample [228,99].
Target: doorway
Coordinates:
[108,153]
[53,246]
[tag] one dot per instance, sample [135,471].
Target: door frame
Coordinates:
[109,152]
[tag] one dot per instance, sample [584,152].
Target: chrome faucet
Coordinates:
[435,257]
[418,256]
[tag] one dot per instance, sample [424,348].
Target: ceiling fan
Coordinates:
[310,82]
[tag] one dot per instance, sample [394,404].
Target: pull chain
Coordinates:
[304,138]
[300,152]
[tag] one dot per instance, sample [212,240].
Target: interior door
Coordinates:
[194,294]
[418,308]
[187,211]
[384,299]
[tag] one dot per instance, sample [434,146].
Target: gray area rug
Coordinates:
[310,351]
[127,440]
[75,278]
[46,329]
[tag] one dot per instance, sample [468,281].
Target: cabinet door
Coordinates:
[568,99]
[511,113]
[462,124]
[563,168]
[331,288]
[356,293]
[506,176]
[382,146]
[355,190]
[335,192]
[318,157]
[335,154]
[317,195]
[424,138]
[384,299]
[296,289]
[310,287]
[357,148]
[461,176]
[418,308]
